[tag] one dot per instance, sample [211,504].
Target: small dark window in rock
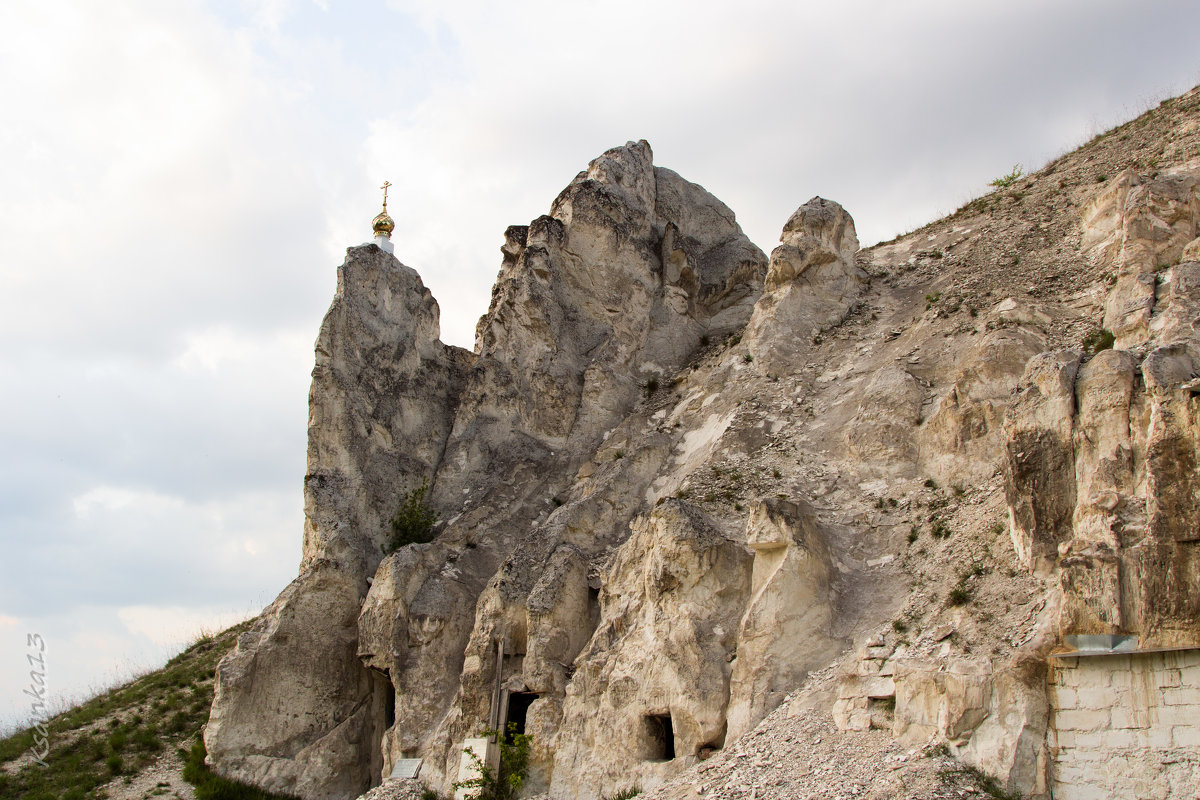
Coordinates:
[660,737]
[518,708]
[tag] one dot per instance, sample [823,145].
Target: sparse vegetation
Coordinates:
[413,523]
[747,358]
[119,733]
[211,786]
[984,781]
[505,782]
[625,794]
[1004,181]
[1097,340]
[959,595]
[962,592]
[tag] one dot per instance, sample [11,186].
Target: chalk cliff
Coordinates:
[689,493]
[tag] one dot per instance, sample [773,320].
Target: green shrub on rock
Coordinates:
[413,523]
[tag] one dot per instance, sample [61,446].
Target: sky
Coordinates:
[179,181]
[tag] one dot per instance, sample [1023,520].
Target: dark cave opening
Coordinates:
[660,737]
[518,709]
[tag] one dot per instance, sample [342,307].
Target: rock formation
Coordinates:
[689,494]
[615,288]
[294,704]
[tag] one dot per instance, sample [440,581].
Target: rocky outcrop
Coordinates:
[1102,451]
[616,287]
[650,689]
[608,294]
[677,482]
[787,628]
[1098,448]
[1139,226]
[294,704]
[1040,480]
[811,285]
[963,439]
[1115,513]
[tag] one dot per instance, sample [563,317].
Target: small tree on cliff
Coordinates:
[413,523]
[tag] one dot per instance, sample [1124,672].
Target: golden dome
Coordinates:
[383,224]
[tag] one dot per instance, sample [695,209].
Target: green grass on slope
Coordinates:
[211,786]
[124,730]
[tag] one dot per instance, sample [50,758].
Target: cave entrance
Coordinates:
[383,717]
[389,706]
[516,709]
[593,607]
[660,737]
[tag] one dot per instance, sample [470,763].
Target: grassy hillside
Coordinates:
[134,741]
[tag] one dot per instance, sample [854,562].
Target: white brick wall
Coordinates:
[1126,726]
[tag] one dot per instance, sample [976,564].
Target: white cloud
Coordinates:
[176,626]
[222,349]
[115,500]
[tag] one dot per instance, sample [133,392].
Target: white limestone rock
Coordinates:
[812,283]
[293,701]
[671,603]
[786,630]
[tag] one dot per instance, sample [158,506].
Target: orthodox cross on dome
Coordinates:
[383,224]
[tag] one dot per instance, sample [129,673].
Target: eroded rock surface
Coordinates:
[294,704]
[699,508]
[615,288]
[811,284]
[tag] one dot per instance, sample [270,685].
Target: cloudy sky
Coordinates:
[179,180]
